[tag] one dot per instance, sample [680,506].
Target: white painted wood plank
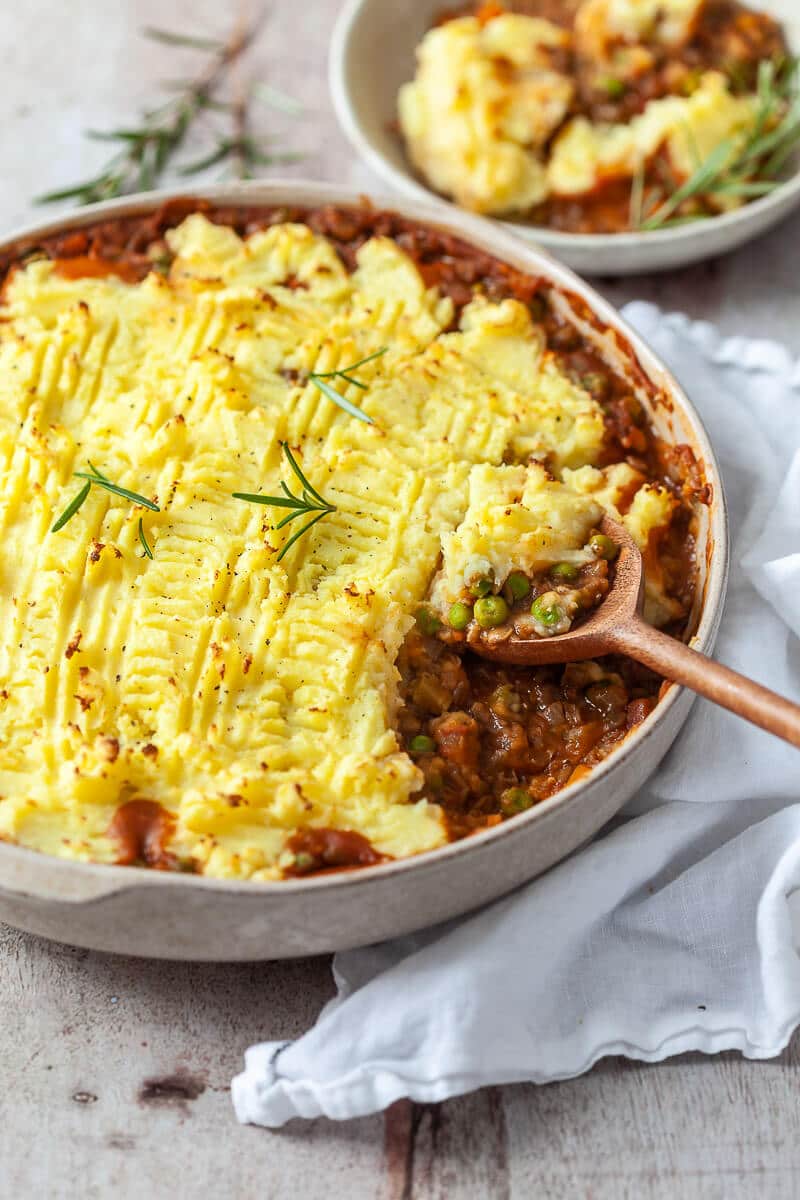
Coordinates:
[116,1072]
[718,1128]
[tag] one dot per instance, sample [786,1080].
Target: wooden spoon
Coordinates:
[616,626]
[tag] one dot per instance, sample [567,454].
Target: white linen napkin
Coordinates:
[674,931]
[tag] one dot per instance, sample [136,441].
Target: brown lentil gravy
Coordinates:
[728,37]
[490,741]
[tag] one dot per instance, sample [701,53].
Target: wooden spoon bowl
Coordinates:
[617,626]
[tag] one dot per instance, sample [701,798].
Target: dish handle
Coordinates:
[33,876]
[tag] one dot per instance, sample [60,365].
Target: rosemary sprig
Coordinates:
[143,539]
[93,476]
[310,501]
[146,150]
[739,167]
[319,380]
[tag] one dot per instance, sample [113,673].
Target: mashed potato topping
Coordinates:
[485,100]
[246,696]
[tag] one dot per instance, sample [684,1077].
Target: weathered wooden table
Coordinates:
[114,1073]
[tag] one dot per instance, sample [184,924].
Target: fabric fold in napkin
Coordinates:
[673,932]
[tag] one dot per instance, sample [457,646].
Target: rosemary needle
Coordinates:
[71,508]
[309,501]
[169,38]
[276,98]
[143,540]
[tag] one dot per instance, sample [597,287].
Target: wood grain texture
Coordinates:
[115,1072]
[730,689]
[716,1129]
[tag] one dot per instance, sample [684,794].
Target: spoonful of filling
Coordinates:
[589,605]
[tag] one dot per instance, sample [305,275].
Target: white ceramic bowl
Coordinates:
[372,54]
[164,915]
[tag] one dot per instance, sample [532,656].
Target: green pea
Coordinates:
[428,622]
[564,570]
[422,744]
[481,587]
[517,587]
[614,88]
[515,800]
[546,614]
[460,615]
[491,612]
[303,861]
[161,264]
[603,547]
[595,384]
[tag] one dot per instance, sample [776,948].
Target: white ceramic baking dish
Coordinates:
[372,54]
[158,914]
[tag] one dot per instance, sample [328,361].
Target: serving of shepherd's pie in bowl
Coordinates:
[621,136]
[272,458]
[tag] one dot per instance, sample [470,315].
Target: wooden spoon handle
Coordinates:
[733,691]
